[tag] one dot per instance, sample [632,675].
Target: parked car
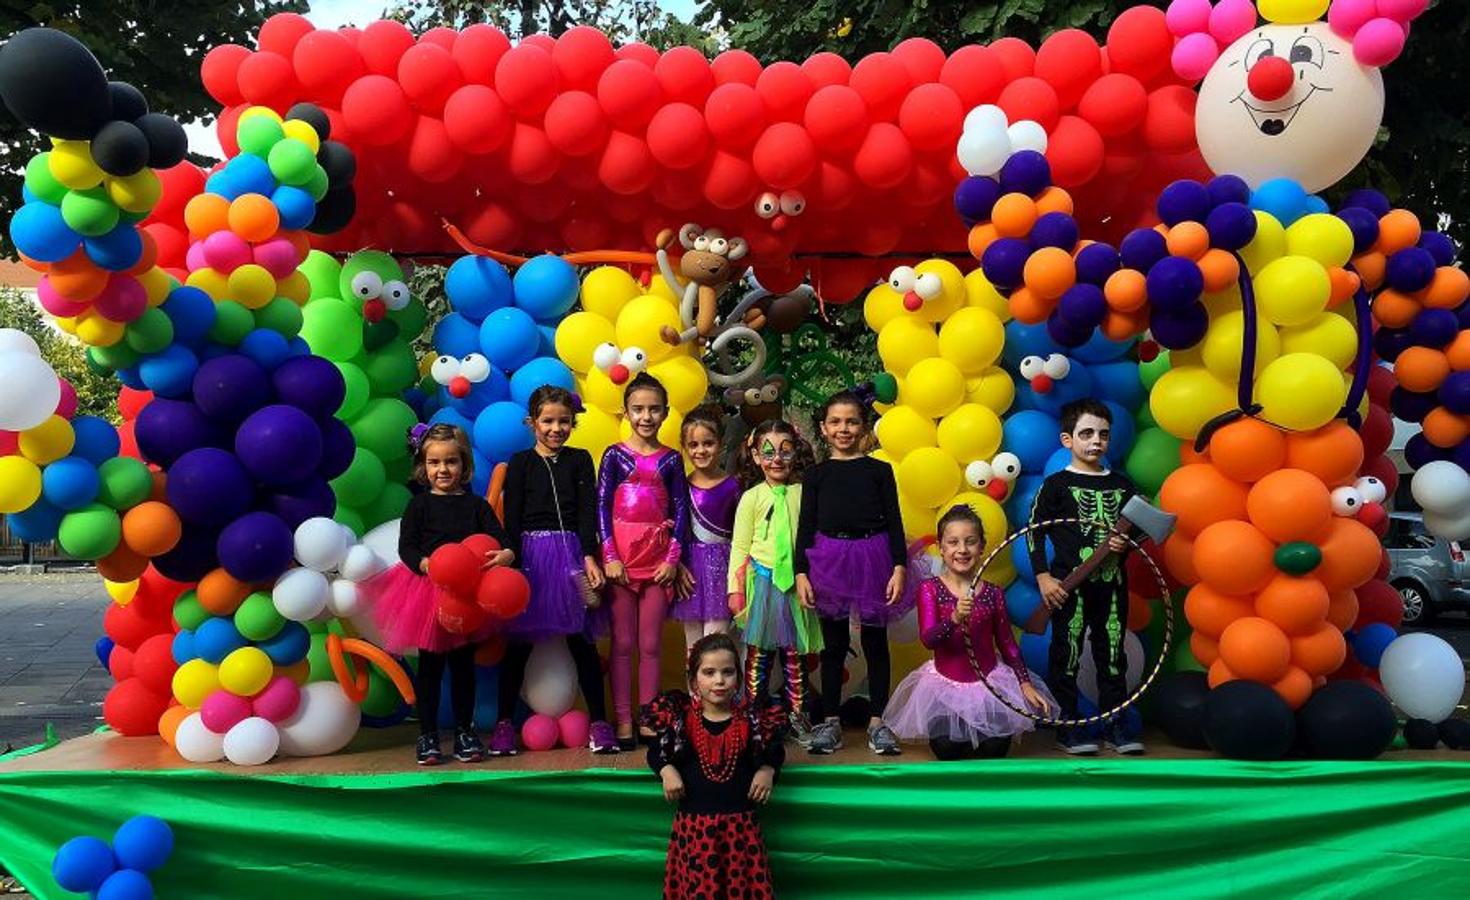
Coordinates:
[1430,573]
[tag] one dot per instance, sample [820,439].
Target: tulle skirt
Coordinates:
[709,564]
[926,704]
[552,562]
[405,607]
[774,619]
[850,577]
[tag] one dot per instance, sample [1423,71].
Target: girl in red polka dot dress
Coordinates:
[718,757]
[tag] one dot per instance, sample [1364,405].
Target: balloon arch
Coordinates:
[1135,221]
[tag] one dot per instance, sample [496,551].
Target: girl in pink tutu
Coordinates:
[405,603]
[945,701]
[713,495]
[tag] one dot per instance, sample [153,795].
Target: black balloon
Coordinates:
[856,711]
[1347,720]
[127,101]
[52,83]
[167,142]
[1247,720]
[334,211]
[1421,734]
[1455,733]
[338,161]
[1179,708]
[314,116]
[120,149]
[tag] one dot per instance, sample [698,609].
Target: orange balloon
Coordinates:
[1013,215]
[77,277]
[1205,648]
[1190,456]
[151,528]
[1140,613]
[1219,268]
[1289,505]
[1188,239]
[1398,229]
[168,723]
[207,213]
[1447,289]
[1350,554]
[1345,284]
[122,564]
[1394,309]
[1054,199]
[1371,267]
[980,238]
[1421,369]
[1320,653]
[1248,449]
[1295,605]
[220,593]
[1234,557]
[1028,308]
[160,485]
[1179,558]
[1443,428]
[1199,495]
[1049,272]
[1126,290]
[1342,609]
[149,257]
[299,671]
[1210,612]
[1294,687]
[254,217]
[1220,673]
[1254,648]
[1458,352]
[1119,326]
[1333,453]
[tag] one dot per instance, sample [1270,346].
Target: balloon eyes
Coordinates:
[979,473]
[719,246]
[770,393]
[634,359]
[395,294]
[902,279]
[475,367]
[1032,366]
[767,205]
[928,286]
[1257,51]
[1307,49]
[1056,366]
[367,285]
[445,369]
[1373,490]
[793,203]
[1346,501]
[701,243]
[1006,466]
[606,356]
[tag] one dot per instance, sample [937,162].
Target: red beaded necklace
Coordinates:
[718,754]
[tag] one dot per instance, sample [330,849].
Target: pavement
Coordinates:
[49,672]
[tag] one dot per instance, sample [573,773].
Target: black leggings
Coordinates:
[589,676]
[836,638]
[989,748]
[461,662]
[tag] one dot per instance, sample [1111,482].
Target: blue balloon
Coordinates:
[536,373]
[456,336]
[223,184]
[1123,434]
[103,649]
[251,175]
[27,195]
[70,483]
[1032,435]
[1026,340]
[118,250]
[129,376]
[487,690]
[126,884]
[82,864]
[289,645]
[268,348]
[1100,349]
[1034,650]
[36,525]
[548,340]
[96,439]
[182,648]
[500,431]
[546,287]
[1283,198]
[1076,386]
[508,337]
[170,372]
[1119,383]
[1021,550]
[477,286]
[448,415]
[493,389]
[216,639]
[143,843]
[1371,641]
[1022,598]
[1023,497]
[295,206]
[1059,460]
[39,231]
[480,479]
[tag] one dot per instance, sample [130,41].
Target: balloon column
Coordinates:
[89,865]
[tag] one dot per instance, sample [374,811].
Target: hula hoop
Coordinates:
[355,684]
[1143,685]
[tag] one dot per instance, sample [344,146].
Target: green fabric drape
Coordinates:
[1007,828]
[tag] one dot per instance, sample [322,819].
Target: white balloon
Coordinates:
[31,392]
[320,544]
[1087,668]
[551,679]
[13,340]
[383,541]
[300,595]
[197,743]
[1027,135]
[1442,486]
[983,152]
[361,562]
[324,722]
[1451,527]
[344,599]
[251,742]
[986,118]
[1423,676]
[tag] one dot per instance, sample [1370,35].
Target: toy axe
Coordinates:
[1138,514]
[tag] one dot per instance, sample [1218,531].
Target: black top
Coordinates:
[433,520]
[537,486]
[1070,494]
[849,498]
[701,795]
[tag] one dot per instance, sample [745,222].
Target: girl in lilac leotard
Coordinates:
[713,496]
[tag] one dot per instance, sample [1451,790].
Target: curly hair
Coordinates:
[450,434]
[710,643]
[749,471]
[705,417]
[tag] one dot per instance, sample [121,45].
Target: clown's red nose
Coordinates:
[374,310]
[459,387]
[1270,78]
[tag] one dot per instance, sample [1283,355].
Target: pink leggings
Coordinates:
[638,611]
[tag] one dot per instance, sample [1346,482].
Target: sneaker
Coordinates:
[1120,743]
[1075,744]
[801,729]
[826,738]
[503,739]
[882,740]
[467,746]
[601,739]
[428,751]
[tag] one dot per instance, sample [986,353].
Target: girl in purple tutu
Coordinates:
[850,560]
[406,604]
[704,607]
[945,701]
[551,517]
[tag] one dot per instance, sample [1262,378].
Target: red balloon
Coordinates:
[1016,58]
[326,63]
[172,243]
[678,190]
[1380,386]
[1139,43]
[154,664]
[1075,151]
[459,616]
[220,73]
[678,137]
[842,281]
[735,114]
[785,89]
[1382,468]
[377,111]
[267,79]
[837,119]
[482,544]
[729,182]
[455,568]
[883,82]
[629,93]
[224,129]
[382,44]
[685,76]
[503,593]
[441,36]
[541,41]
[626,166]
[525,78]
[921,58]
[581,233]
[575,123]
[130,402]
[494,226]
[735,67]
[784,156]
[120,663]
[1168,126]
[1378,601]
[932,117]
[132,710]
[1030,98]
[1377,431]
[533,159]
[884,159]
[432,156]
[127,627]
[826,68]
[581,54]
[975,74]
[1069,60]
[478,50]
[429,75]
[281,33]
[1115,104]
[156,595]
[878,238]
[476,119]
[836,187]
[639,53]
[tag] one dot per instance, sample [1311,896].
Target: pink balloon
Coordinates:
[224,251]
[67,406]
[223,710]
[1345,17]
[9,442]
[1402,10]
[1231,19]
[278,700]
[574,727]
[1187,16]
[123,300]
[1379,42]
[540,732]
[1194,55]
[194,259]
[277,256]
[54,303]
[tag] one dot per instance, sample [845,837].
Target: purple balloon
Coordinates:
[1462,312]
[975,197]
[1181,329]
[1096,262]
[1410,270]
[1440,246]
[1066,333]
[1083,306]
[255,547]
[1454,393]
[338,447]
[1055,229]
[1183,201]
[1369,199]
[299,502]
[1231,226]
[167,429]
[1411,406]
[1141,248]
[209,487]
[1434,327]
[1026,172]
[1388,343]
[1461,456]
[229,388]
[1418,452]
[1228,189]
[1364,226]
[311,384]
[192,557]
[1175,284]
[279,445]
[1004,261]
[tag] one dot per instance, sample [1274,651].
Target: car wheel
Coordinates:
[1416,603]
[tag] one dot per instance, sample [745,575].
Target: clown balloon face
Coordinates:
[1288,101]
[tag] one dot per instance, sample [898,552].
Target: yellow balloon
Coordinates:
[918,520]
[928,476]
[993,388]
[882,456]
[952,294]
[71,164]
[295,287]
[934,387]
[301,131]
[1329,336]
[97,330]
[669,433]
[67,324]
[266,111]
[251,285]
[686,381]
[137,193]
[992,518]
[904,429]
[1002,569]
[156,284]
[579,335]
[245,671]
[640,325]
[1190,356]
[20,484]
[1187,397]
[659,288]
[1222,345]
[210,282]
[47,442]
[969,433]
[595,431]
[1322,237]
[1292,290]
[1292,12]
[980,292]
[883,305]
[1268,244]
[600,392]
[1221,302]
[121,592]
[904,342]
[607,289]
[1301,391]
[195,680]
[972,339]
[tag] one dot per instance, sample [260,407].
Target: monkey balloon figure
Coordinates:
[707,265]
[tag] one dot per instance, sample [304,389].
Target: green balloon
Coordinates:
[41,182]
[292,162]
[358,390]
[382,697]
[1154,455]
[885,387]
[376,261]
[322,273]
[131,218]
[400,468]
[110,359]
[360,483]
[317,659]
[91,532]
[1150,372]
[188,613]
[411,319]
[232,322]
[90,213]
[150,332]
[390,503]
[318,183]
[1298,558]
[281,316]
[377,335]
[126,482]
[1144,419]
[257,619]
[258,134]
[392,370]
[332,328]
[351,518]
[382,427]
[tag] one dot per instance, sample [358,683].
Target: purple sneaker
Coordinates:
[601,739]
[503,739]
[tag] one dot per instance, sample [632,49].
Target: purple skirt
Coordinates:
[850,577]
[709,564]
[553,564]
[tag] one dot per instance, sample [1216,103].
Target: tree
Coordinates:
[620,20]
[96,392]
